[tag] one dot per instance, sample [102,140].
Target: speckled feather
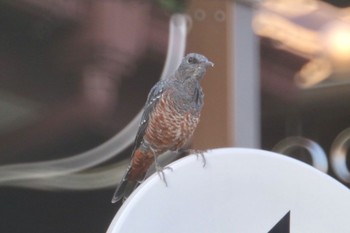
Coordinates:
[170,117]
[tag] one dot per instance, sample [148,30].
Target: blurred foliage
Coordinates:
[173,5]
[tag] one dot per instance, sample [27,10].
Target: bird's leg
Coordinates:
[160,169]
[198,153]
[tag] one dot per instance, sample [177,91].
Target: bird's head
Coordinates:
[194,65]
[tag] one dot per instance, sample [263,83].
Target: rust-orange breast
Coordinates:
[168,128]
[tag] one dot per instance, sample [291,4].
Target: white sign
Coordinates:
[239,190]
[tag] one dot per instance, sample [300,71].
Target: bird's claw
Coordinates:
[161,174]
[199,153]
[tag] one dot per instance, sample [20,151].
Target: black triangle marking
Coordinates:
[283,226]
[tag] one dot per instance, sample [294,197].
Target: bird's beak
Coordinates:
[209,63]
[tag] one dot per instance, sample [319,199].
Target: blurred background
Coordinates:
[74,73]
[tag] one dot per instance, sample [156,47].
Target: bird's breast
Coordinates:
[171,124]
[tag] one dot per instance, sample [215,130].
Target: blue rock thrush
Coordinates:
[170,116]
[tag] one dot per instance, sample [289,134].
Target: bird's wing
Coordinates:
[152,100]
[199,97]
[126,186]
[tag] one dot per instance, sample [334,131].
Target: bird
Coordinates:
[169,119]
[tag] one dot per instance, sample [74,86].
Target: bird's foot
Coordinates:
[198,153]
[160,171]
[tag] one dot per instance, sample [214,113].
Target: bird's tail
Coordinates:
[134,175]
[125,188]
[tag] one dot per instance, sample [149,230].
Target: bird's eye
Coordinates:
[192,60]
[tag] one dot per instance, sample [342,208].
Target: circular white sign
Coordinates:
[239,190]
